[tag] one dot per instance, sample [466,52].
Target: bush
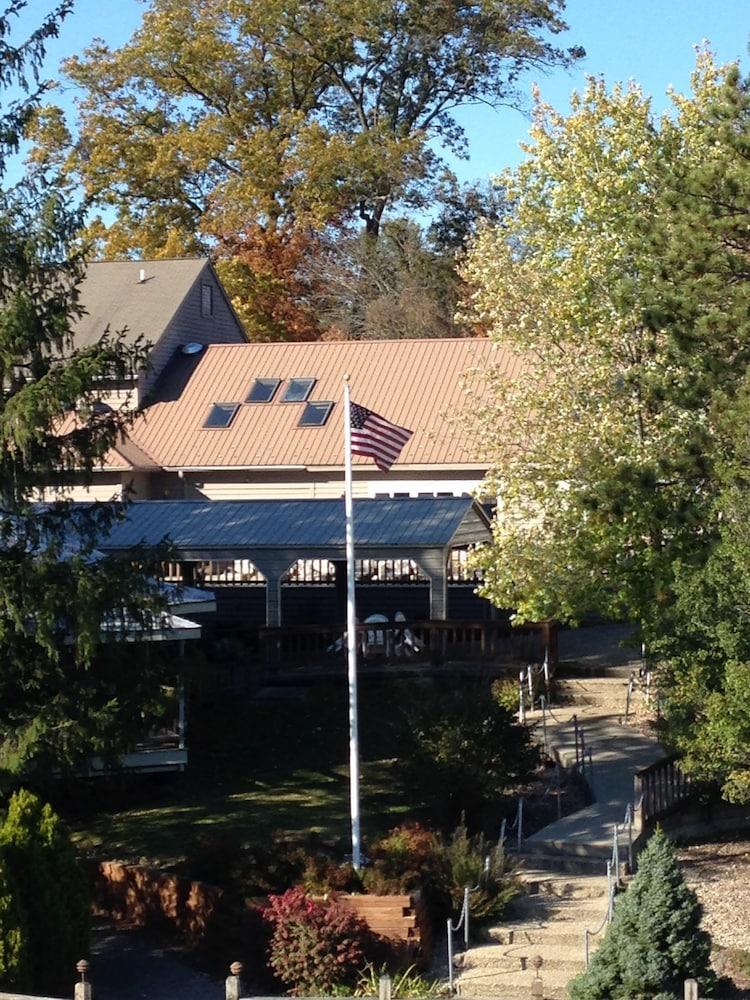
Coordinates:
[404,984]
[315,948]
[322,875]
[409,857]
[654,942]
[473,862]
[505,694]
[467,752]
[43,874]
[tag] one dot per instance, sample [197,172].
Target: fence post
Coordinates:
[384,988]
[521,706]
[575,737]
[520,823]
[83,989]
[543,701]
[233,987]
[450,954]
[691,989]
[466,917]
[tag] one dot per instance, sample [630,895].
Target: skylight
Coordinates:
[262,390]
[221,415]
[298,390]
[315,414]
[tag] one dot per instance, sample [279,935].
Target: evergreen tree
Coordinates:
[60,697]
[655,941]
[46,881]
[15,964]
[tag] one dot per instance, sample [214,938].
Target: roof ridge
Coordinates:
[340,343]
[144,260]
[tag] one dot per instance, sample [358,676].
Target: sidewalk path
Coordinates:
[618,751]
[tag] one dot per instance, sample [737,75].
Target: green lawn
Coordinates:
[257,773]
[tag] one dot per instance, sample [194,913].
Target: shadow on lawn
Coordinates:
[257,773]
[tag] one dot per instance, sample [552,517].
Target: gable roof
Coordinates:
[195,525]
[113,296]
[413,383]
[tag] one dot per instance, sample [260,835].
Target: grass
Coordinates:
[257,773]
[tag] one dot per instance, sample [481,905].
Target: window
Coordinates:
[298,390]
[262,390]
[207,300]
[315,414]
[221,415]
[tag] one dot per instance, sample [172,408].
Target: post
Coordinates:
[575,737]
[83,989]
[543,701]
[501,839]
[450,954]
[530,682]
[691,989]
[559,790]
[629,819]
[385,987]
[351,637]
[586,947]
[521,706]
[627,697]
[610,896]
[233,986]
[519,832]
[466,917]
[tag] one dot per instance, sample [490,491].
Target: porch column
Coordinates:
[273,569]
[434,564]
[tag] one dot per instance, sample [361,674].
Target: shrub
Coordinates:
[467,751]
[654,942]
[404,984]
[315,948]
[322,875]
[409,857]
[42,870]
[505,694]
[473,862]
[15,955]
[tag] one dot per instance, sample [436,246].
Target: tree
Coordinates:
[655,941]
[48,884]
[228,121]
[601,446]
[61,694]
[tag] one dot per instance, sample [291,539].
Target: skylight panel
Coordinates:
[315,414]
[298,390]
[263,390]
[221,415]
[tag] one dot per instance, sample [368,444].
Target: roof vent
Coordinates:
[192,348]
[141,276]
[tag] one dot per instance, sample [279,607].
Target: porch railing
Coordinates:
[404,642]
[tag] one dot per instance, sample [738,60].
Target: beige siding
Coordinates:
[267,486]
[105,487]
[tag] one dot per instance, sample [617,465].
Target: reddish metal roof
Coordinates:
[413,383]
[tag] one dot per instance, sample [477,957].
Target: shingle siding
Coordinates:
[189,325]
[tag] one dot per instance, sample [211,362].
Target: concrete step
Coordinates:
[565,886]
[543,909]
[560,865]
[538,934]
[518,956]
[596,851]
[515,984]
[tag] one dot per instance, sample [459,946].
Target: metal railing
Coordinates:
[462,924]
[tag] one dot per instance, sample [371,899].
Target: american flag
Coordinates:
[376,437]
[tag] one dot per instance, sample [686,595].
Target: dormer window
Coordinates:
[263,390]
[315,414]
[207,300]
[221,415]
[298,390]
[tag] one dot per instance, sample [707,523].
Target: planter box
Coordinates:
[403,920]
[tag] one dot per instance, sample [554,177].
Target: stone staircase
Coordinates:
[547,923]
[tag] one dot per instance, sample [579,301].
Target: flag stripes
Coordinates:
[376,437]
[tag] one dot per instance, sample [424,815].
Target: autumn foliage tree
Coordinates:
[235,125]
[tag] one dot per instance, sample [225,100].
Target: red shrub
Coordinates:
[315,947]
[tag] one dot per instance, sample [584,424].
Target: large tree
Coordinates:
[243,123]
[62,693]
[621,279]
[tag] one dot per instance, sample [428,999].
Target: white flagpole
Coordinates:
[351,636]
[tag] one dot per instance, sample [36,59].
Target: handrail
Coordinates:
[607,919]
[463,923]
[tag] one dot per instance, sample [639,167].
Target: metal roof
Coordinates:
[417,384]
[421,522]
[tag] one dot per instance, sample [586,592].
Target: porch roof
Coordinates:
[311,525]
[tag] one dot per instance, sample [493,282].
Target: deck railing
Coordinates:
[403,642]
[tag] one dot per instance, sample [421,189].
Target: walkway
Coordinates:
[549,923]
[617,751]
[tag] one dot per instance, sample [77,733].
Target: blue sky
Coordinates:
[650,41]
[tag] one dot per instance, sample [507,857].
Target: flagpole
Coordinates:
[351,636]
